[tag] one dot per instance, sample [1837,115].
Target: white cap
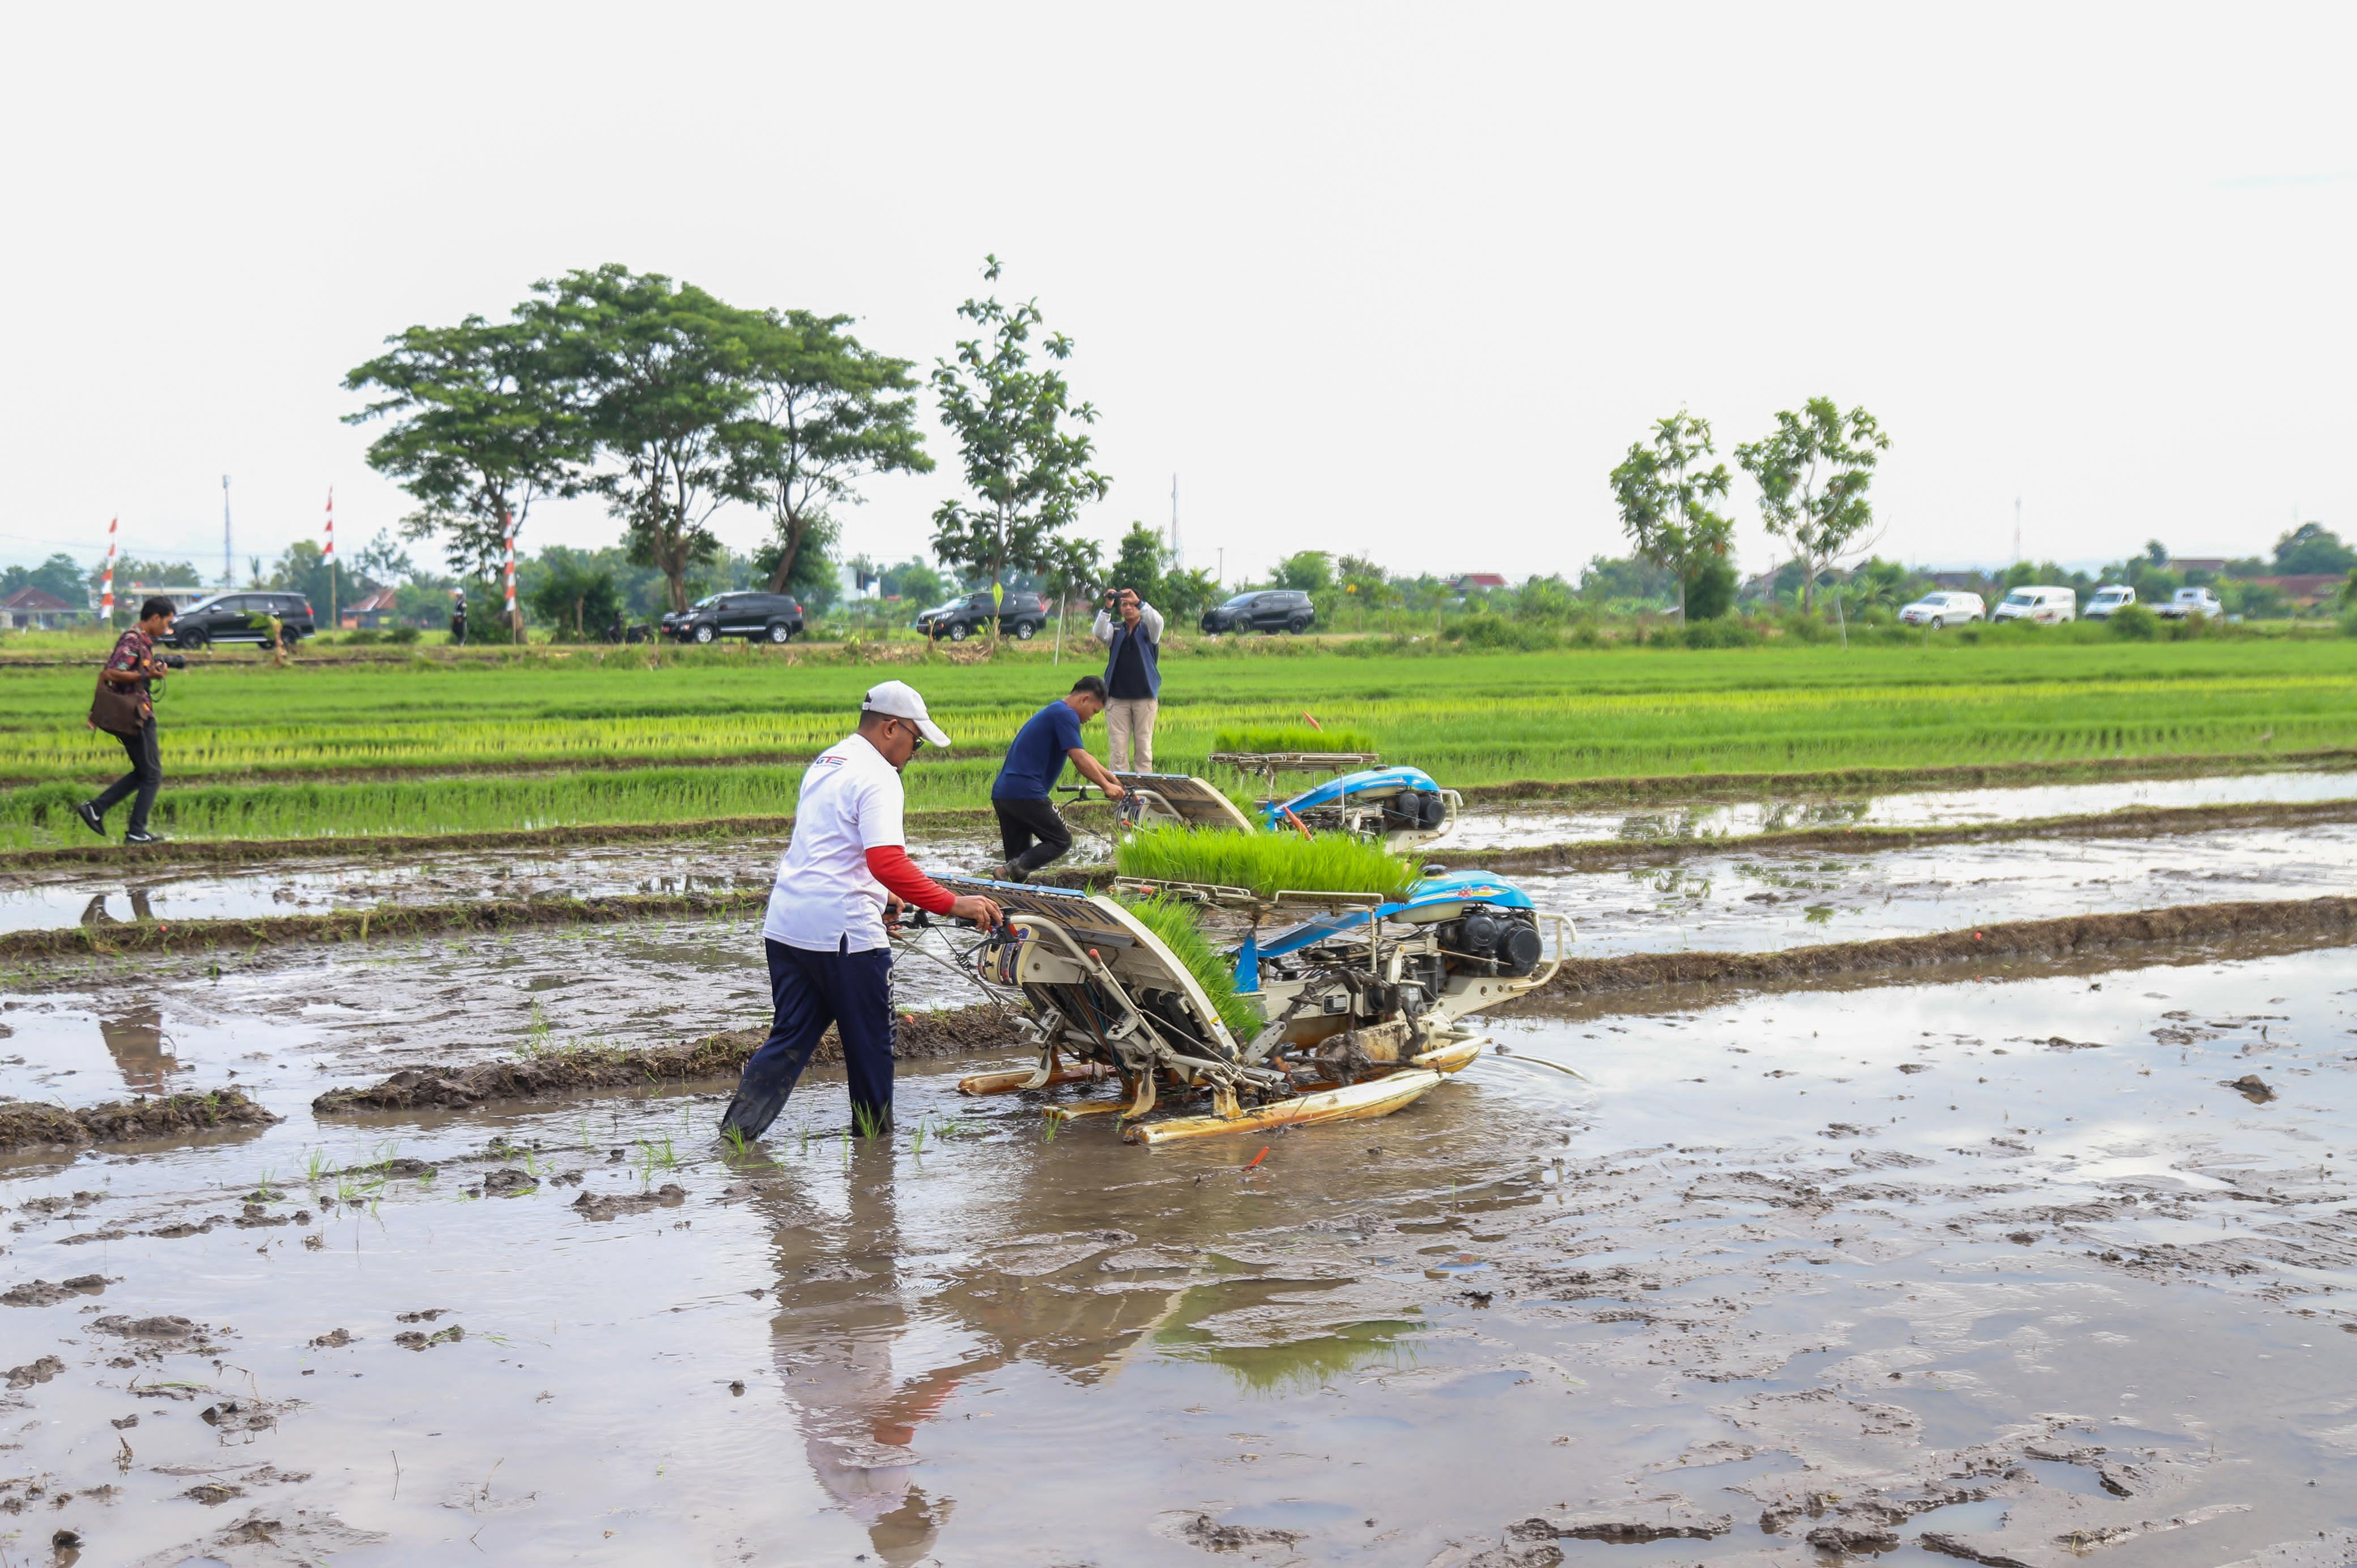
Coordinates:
[899,699]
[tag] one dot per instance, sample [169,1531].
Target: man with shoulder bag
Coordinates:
[125,707]
[1131,630]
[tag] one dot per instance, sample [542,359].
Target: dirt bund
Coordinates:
[2135,822]
[2328,920]
[945,1032]
[28,1124]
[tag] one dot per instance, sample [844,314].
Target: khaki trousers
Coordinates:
[1129,727]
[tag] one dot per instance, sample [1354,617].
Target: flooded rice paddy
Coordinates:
[1517,827]
[2002,1270]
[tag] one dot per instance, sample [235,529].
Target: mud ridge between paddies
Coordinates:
[588,1070]
[1568,791]
[2131,822]
[27,1123]
[2329,921]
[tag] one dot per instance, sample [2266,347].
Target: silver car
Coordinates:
[1936,610]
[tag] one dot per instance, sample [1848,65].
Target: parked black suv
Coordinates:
[244,617]
[756,617]
[1270,609]
[1021,616]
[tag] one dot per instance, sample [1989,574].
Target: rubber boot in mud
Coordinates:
[752,1110]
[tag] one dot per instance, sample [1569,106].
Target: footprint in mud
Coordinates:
[606,1206]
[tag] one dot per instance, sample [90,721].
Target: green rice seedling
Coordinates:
[1264,862]
[1181,929]
[735,1137]
[314,1165]
[263,1192]
[867,1123]
[1291,737]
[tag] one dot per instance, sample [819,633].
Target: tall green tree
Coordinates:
[657,372]
[1310,571]
[825,412]
[480,428]
[2313,547]
[1665,496]
[1139,562]
[1025,460]
[1813,471]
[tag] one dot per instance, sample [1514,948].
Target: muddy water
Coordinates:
[1990,1268]
[1752,903]
[60,896]
[1514,827]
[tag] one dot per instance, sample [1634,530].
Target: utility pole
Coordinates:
[229,555]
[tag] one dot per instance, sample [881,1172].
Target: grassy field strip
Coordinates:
[1476,739]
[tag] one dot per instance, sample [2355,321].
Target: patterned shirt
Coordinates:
[136,651]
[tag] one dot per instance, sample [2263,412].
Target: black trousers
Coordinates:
[1020,823]
[147,777]
[808,990]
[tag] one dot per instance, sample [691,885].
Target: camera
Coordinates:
[174,662]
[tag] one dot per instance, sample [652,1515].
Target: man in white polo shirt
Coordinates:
[839,887]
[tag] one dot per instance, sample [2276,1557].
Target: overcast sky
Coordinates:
[1405,281]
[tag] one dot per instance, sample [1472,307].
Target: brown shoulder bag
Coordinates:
[117,709]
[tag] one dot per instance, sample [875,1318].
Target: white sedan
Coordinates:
[1936,610]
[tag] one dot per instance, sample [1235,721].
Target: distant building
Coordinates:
[1477,583]
[2303,589]
[2213,564]
[1958,582]
[130,596]
[29,607]
[370,614]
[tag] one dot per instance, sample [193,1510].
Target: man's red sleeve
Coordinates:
[891,864]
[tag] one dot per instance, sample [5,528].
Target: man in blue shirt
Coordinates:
[1029,826]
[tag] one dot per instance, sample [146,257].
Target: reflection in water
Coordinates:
[135,1040]
[94,912]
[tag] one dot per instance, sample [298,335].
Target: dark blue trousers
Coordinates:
[808,990]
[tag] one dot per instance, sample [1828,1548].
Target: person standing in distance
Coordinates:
[838,893]
[457,618]
[1030,830]
[134,664]
[1133,677]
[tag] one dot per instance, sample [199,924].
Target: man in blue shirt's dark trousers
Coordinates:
[1029,829]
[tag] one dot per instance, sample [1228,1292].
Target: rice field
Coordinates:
[426,747]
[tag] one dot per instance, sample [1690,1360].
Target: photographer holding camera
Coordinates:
[1133,676]
[124,706]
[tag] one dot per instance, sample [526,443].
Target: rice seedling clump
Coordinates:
[1181,929]
[1264,862]
[1292,738]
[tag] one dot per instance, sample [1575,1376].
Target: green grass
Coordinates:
[1264,862]
[1300,737]
[1183,932]
[426,747]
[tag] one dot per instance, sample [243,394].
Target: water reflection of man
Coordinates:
[135,1040]
[843,1311]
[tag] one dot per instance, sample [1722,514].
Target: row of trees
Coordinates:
[669,403]
[1813,473]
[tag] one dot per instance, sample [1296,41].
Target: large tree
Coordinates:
[826,411]
[2313,547]
[1813,471]
[657,372]
[481,429]
[1665,496]
[1027,465]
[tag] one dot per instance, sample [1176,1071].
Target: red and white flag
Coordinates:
[329,553]
[509,523]
[106,597]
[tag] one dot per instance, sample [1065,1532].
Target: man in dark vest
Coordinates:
[1133,677]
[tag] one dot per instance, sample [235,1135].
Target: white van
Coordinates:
[2044,606]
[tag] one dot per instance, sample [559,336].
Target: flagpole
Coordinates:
[106,598]
[332,623]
